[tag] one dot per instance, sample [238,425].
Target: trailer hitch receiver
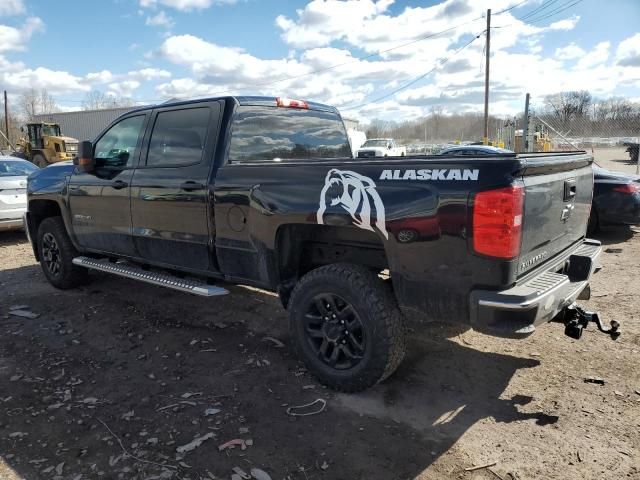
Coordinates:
[576,319]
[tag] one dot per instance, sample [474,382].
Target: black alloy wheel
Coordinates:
[51,254]
[335,331]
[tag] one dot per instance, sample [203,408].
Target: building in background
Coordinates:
[84,124]
[356,136]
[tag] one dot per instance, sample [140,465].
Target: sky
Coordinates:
[387,59]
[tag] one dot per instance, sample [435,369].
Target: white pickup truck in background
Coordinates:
[381,147]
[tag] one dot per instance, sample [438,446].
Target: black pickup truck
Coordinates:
[265,192]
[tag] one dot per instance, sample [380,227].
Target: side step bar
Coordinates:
[162,279]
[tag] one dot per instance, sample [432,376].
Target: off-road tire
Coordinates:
[381,319]
[40,161]
[68,274]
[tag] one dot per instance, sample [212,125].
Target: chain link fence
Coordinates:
[575,121]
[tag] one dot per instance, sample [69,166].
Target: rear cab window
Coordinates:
[268,134]
[178,137]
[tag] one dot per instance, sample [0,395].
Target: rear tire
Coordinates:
[56,253]
[347,326]
[40,161]
[594,222]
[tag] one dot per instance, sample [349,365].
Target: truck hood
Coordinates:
[53,177]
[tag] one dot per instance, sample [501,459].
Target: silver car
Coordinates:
[13,191]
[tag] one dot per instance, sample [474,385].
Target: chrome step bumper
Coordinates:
[518,310]
[134,272]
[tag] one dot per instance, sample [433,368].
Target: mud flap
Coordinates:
[576,319]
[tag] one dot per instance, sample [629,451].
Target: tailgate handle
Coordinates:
[569,190]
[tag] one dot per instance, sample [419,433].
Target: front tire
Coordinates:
[56,253]
[346,326]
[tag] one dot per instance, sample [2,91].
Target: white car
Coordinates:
[13,191]
[381,147]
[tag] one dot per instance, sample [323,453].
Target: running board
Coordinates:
[134,272]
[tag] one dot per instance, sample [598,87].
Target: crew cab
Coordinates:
[381,147]
[264,192]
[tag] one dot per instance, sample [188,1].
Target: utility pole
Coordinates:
[6,115]
[485,140]
[525,127]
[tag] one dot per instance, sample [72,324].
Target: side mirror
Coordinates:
[85,160]
[22,129]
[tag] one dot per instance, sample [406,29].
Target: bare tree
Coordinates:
[567,106]
[33,102]
[97,100]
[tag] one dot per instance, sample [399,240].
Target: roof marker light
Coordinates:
[290,103]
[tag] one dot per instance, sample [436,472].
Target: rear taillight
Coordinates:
[497,222]
[290,103]
[628,188]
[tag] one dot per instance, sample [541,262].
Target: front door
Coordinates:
[172,223]
[100,201]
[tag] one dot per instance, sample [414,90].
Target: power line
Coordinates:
[560,9]
[511,8]
[537,10]
[528,18]
[417,79]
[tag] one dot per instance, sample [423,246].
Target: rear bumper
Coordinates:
[517,311]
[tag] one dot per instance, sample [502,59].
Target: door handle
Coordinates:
[191,185]
[119,184]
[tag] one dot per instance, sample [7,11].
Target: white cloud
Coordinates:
[12,7]
[184,5]
[223,63]
[597,56]
[102,76]
[161,19]
[569,52]
[566,24]
[124,88]
[148,74]
[628,52]
[16,39]
[187,88]
[55,81]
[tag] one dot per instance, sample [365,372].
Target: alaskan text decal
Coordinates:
[431,174]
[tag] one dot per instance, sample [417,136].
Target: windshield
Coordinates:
[16,168]
[275,134]
[50,130]
[375,143]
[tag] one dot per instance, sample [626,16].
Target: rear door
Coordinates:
[558,190]
[172,221]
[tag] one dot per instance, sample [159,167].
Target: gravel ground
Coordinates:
[112,378]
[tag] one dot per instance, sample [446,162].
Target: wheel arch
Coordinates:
[301,248]
[38,211]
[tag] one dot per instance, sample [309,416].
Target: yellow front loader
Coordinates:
[45,144]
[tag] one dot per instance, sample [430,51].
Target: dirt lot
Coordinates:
[112,378]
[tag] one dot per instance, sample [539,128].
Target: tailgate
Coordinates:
[558,193]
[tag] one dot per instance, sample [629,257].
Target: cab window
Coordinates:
[119,147]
